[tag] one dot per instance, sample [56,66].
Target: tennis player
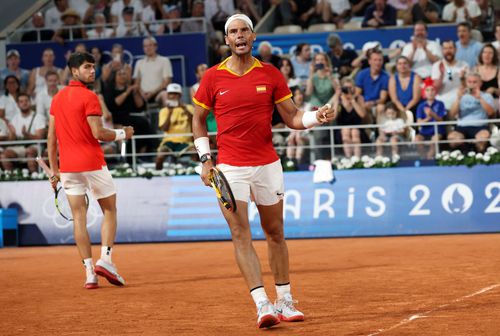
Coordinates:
[75,127]
[243,91]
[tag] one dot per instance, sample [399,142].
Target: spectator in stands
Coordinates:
[422,52]
[392,129]
[53,14]
[462,11]
[487,19]
[71,28]
[349,111]
[425,11]
[380,14]
[286,68]
[153,72]
[117,63]
[297,139]
[448,74]
[100,30]
[430,110]
[472,108]
[404,87]
[403,9]
[8,101]
[301,61]
[98,65]
[373,84]
[361,62]
[37,82]
[496,43]
[174,118]
[153,11]
[340,57]
[248,8]
[24,125]
[40,32]
[467,49]
[13,60]
[217,12]
[198,11]
[44,97]
[265,54]
[124,101]
[358,7]
[101,7]
[488,69]
[321,82]
[83,8]
[199,72]
[119,5]
[174,24]
[334,11]
[128,27]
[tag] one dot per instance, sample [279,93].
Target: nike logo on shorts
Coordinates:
[223,92]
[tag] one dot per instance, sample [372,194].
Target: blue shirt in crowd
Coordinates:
[469,53]
[372,87]
[437,107]
[471,110]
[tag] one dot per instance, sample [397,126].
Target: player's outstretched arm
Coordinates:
[52,151]
[201,141]
[105,134]
[297,119]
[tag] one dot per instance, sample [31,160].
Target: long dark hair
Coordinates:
[5,84]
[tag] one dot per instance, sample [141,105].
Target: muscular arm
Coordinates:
[292,116]
[52,146]
[99,131]
[200,122]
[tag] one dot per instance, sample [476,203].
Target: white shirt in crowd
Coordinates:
[451,81]
[450,8]
[213,6]
[338,6]
[43,101]
[4,130]
[9,104]
[421,64]
[117,8]
[105,33]
[19,121]
[80,6]
[152,71]
[149,17]
[53,18]
[393,125]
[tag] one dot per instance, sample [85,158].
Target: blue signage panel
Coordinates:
[367,202]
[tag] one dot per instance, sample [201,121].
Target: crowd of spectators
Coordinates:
[423,81]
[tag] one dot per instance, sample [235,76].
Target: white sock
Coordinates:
[259,295]
[88,264]
[106,253]
[282,290]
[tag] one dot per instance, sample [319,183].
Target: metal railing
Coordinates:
[133,156]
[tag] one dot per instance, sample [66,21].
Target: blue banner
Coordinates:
[192,47]
[355,39]
[367,202]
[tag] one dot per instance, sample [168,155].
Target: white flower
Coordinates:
[460,157]
[379,159]
[446,157]
[445,153]
[385,160]
[479,156]
[190,170]
[141,170]
[455,153]
[335,160]
[395,158]
[181,171]
[34,175]
[438,156]
[129,171]
[289,164]
[354,159]
[345,161]
[25,172]
[471,154]
[171,172]
[367,165]
[365,158]
[125,165]
[486,157]
[492,150]
[178,166]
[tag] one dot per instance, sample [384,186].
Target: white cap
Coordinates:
[370,45]
[174,88]
[242,17]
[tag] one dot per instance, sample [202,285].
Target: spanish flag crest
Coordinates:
[260,89]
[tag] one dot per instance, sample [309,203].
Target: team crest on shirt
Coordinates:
[261,89]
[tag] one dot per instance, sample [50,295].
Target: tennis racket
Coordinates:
[60,198]
[222,189]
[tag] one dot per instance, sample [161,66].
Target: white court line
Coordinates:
[426,313]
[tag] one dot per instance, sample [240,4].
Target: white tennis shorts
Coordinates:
[99,182]
[263,183]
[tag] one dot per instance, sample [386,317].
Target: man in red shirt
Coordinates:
[243,91]
[76,127]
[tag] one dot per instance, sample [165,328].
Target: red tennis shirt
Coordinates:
[79,151]
[243,108]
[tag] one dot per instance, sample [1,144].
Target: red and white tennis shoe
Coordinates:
[267,316]
[91,282]
[109,271]
[287,311]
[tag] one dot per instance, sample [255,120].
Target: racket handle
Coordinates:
[44,166]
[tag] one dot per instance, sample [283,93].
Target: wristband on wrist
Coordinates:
[309,119]
[202,146]
[119,134]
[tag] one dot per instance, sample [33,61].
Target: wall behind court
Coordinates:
[368,202]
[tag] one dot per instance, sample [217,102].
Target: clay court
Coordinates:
[425,285]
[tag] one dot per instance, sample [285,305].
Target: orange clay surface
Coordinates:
[428,285]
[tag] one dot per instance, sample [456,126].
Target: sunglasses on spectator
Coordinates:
[449,74]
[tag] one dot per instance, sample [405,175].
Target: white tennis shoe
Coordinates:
[266,315]
[287,311]
[109,271]
[91,282]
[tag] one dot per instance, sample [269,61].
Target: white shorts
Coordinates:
[99,182]
[263,183]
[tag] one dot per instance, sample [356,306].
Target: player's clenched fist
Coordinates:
[325,114]
[129,131]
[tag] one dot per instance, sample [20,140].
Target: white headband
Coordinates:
[242,17]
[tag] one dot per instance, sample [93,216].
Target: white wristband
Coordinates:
[119,134]
[309,119]
[202,146]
